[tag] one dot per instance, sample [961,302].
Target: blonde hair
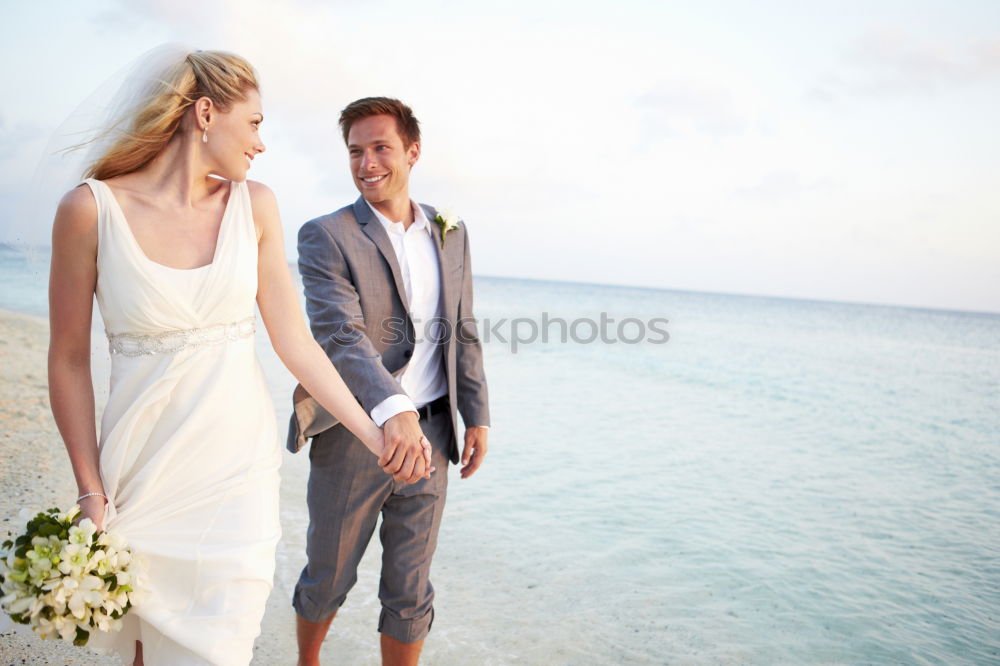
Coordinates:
[139,137]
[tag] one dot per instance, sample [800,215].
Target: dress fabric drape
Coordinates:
[189,452]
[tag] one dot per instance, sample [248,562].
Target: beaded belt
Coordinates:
[171,342]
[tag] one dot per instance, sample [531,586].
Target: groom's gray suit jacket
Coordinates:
[357,309]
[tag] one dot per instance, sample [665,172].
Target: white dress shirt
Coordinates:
[423,380]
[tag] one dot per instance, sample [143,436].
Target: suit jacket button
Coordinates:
[408,353]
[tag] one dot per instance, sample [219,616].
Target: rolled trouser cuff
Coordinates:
[405,630]
[314,612]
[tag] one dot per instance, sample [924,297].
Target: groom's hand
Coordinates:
[475,449]
[405,457]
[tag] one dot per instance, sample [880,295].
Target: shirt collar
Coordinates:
[419,220]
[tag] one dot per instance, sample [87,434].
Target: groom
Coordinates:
[388,287]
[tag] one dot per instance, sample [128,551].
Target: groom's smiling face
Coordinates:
[380,162]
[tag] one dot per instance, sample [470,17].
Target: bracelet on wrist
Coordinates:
[86,495]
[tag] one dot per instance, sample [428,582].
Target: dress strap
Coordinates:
[245,210]
[102,195]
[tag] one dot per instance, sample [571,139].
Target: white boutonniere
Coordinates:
[446,221]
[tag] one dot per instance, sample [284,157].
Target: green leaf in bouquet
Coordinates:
[81,637]
[8,544]
[49,529]
[20,618]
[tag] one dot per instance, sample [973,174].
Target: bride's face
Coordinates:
[234,138]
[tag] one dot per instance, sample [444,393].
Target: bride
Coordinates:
[179,247]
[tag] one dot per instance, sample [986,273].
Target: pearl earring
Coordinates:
[204,135]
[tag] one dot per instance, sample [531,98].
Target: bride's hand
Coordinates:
[93,507]
[427,456]
[426,450]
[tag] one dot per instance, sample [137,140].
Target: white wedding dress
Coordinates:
[189,452]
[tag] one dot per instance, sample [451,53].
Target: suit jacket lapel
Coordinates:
[376,232]
[448,258]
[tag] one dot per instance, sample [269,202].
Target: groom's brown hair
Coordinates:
[406,122]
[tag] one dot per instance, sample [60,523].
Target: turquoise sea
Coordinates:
[778,482]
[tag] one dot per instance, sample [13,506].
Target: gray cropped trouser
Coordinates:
[347,491]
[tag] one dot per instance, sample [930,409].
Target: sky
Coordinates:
[822,150]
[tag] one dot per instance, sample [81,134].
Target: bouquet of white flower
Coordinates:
[66,580]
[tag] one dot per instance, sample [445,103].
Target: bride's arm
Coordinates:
[294,344]
[72,281]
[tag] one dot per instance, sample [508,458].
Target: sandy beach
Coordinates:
[35,473]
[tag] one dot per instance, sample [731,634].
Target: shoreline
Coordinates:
[34,464]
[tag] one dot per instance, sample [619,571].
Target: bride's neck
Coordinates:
[179,174]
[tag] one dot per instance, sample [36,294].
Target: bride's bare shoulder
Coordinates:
[262,199]
[259,192]
[264,208]
[77,210]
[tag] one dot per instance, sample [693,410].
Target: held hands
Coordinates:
[407,453]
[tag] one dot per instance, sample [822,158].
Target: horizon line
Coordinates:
[646,287]
[706,292]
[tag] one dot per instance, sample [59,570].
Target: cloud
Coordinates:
[893,61]
[195,21]
[681,106]
[21,143]
[584,147]
[778,185]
